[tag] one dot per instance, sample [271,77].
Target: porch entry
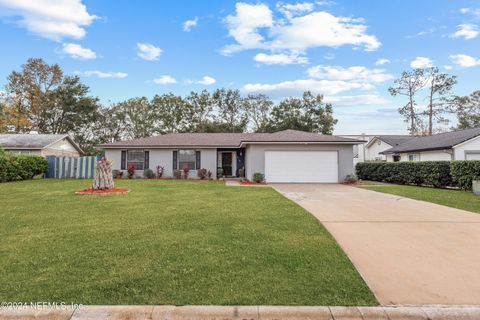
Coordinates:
[230,161]
[227,163]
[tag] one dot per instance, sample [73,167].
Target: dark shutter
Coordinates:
[123,162]
[146,163]
[174,160]
[198,165]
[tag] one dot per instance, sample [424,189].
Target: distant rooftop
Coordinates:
[439,141]
[28,141]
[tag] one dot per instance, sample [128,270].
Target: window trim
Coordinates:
[138,161]
[415,157]
[194,157]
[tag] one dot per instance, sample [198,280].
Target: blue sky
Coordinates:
[350,51]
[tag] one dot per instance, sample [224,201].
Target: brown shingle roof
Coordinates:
[226,139]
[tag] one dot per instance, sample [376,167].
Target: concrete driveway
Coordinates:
[408,251]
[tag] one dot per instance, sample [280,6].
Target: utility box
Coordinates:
[476,187]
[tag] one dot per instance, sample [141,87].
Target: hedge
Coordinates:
[463,172]
[428,173]
[14,168]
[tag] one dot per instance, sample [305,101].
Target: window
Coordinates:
[396,158]
[413,157]
[136,158]
[186,158]
[379,142]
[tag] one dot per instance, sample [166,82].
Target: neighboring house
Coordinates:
[285,156]
[359,151]
[40,145]
[455,145]
[381,143]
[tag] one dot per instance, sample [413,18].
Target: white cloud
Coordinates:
[76,51]
[301,31]
[206,80]
[322,29]
[50,19]
[148,51]
[464,61]
[421,62]
[381,62]
[355,73]
[357,100]
[296,87]
[164,80]
[475,12]
[102,74]
[447,67]
[190,24]
[280,58]
[467,31]
[244,25]
[291,10]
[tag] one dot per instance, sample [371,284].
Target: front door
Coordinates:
[227,163]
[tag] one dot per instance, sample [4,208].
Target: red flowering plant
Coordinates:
[185,171]
[131,171]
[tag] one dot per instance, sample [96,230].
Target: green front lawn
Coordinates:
[168,242]
[451,198]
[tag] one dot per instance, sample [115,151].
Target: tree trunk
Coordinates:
[103,176]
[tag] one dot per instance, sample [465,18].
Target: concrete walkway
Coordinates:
[408,251]
[246,312]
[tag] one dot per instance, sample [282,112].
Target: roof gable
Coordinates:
[392,140]
[33,141]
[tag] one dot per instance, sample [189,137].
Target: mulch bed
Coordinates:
[95,192]
[249,183]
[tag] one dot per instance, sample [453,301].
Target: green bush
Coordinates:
[148,173]
[463,172]
[202,173]
[258,177]
[429,173]
[21,167]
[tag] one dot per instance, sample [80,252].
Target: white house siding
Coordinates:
[28,152]
[255,156]
[471,146]
[373,150]
[164,158]
[360,153]
[439,155]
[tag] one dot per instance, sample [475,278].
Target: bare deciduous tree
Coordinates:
[408,85]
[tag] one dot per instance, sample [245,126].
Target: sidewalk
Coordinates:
[248,312]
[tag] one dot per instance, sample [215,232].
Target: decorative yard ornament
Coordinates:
[103,179]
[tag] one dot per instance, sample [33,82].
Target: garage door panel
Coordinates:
[301,166]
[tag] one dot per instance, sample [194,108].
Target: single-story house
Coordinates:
[455,145]
[381,143]
[60,145]
[285,156]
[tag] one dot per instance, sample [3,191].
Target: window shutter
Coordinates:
[146,164]
[198,165]
[174,160]
[123,161]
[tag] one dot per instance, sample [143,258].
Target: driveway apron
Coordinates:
[408,251]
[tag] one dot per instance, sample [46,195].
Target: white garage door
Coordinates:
[301,166]
[472,156]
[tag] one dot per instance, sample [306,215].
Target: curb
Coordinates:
[246,313]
